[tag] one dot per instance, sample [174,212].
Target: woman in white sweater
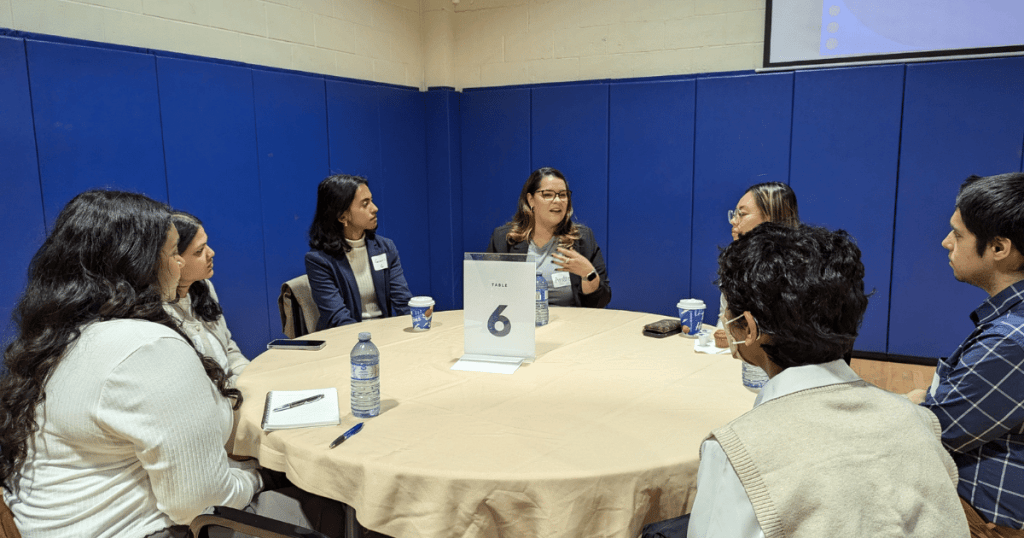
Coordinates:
[195,305]
[110,423]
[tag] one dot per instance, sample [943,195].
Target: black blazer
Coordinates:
[586,246]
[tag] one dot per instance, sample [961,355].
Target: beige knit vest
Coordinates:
[846,460]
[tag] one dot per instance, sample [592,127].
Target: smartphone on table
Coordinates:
[308,345]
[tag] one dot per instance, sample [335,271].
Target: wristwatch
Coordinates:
[591,276]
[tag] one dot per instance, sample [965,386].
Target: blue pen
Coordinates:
[352,431]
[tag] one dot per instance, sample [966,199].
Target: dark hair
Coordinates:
[202,302]
[333,198]
[777,202]
[804,286]
[524,220]
[99,263]
[993,207]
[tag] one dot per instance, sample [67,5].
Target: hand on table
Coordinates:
[916,396]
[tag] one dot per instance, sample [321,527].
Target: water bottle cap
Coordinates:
[363,337]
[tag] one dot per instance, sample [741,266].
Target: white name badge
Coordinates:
[559,279]
[380,262]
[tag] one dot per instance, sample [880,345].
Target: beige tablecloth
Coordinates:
[597,437]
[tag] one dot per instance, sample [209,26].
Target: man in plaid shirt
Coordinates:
[978,392]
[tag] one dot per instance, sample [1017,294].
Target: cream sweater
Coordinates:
[131,439]
[211,338]
[845,460]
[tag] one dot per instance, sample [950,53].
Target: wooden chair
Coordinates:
[219,516]
[299,314]
[983,529]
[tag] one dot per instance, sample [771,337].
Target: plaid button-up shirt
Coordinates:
[979,400]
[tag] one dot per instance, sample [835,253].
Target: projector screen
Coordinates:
[807,33]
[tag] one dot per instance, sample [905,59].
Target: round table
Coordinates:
[597,437]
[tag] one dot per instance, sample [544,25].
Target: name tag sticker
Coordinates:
[559,279]
[380,262]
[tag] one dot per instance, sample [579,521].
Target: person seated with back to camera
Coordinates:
[354,274]
[822,453]
[567,255]
[113,425]
[195,306]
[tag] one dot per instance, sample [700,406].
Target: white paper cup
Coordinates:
[691,314]
[422,310]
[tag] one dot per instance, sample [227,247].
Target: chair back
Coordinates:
[7,528]
[299,314]
[982,529]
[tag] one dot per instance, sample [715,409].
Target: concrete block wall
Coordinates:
[426,43]
[375,40]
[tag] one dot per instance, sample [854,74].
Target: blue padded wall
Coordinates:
[212,172]
[291,129]
[651,197]
[402,193]
[495,127]
[97,120]
[845,154]
[742,138]
[569,131]
[353,131]
[959,118]
[444,197]
[22,215]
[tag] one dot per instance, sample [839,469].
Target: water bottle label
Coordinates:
[542,295]
[365,371]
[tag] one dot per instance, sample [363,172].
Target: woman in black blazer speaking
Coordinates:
[567,254]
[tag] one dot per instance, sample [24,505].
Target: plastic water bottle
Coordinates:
[542,300]
[365,378]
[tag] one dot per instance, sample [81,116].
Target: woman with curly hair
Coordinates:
[111,424]
[567,255]
[195,305]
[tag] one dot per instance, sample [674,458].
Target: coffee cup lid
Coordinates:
[421,301]
[690,304]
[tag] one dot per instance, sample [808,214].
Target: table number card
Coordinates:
[499,313]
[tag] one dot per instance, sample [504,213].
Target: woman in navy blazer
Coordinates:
[354,274]
[567,254]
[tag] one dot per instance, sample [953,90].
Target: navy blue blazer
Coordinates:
[586,246]
[336,293]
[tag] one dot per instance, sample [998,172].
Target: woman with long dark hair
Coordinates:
[111,424]
[195,305]
[567,255]
[354,274]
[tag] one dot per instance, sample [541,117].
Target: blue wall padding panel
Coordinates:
[97,119]
[846,133]
[495,128]
[291,131]
[444,195]
[353,130]
[959,118]
[651,198]
[742,138]
[569,131]
[402,195]
[22,214]
[212,172]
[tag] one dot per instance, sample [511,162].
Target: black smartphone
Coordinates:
[308,345]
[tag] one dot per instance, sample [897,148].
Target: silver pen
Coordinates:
[303,401]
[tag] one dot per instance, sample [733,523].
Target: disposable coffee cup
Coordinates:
[422,310]
[691,314]
[705,338]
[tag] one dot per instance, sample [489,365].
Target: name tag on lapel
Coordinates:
[559,279]
[380,262]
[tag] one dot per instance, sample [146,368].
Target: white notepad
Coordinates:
[323,412]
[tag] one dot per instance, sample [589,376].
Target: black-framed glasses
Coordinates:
[549,196]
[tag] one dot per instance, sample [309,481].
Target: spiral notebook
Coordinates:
[323,412]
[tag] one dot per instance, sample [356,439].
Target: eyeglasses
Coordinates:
[734,215]
[549,196]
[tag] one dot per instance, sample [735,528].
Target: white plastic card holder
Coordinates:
[499,314]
